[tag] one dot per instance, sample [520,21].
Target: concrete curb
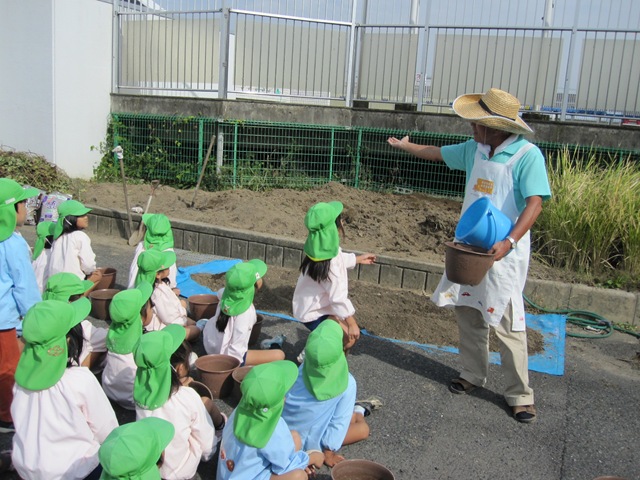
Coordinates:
[615,305]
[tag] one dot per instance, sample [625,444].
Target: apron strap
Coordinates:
[520,153]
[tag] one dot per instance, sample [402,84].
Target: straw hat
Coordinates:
[495,109]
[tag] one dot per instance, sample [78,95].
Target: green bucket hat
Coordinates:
[132,450]
[44,329]
[158,234]
[126,324]
[323,239]
[263,391]
[61,286]
[325,371]
[11,192]
[239,286]
[151,262]
[43,230]
[152,386]
[70,207]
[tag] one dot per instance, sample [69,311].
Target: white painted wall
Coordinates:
[56,81]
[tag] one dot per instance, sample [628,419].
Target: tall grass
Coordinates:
[592,222]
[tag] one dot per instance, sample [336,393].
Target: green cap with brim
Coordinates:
[263,392]
[132,450]
[325,371]
[126,325]
[151,262]
[69,207]
[158,231]
[323,239]
[61,286]
[239,287]
[11,192]
[44,329]
[152,355]
[43,230]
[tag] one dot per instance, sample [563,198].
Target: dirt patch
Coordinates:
[390,313]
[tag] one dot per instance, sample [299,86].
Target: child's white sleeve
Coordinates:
[167,306]
[96,407]
[133,268]
[86,256]
[202,429]
[338,290]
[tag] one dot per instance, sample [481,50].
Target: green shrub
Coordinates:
[35,170]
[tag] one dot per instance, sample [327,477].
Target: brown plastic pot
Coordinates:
[215,372]
[100,301]
[108,278]
[201,388]
[238,376]
[360,470]
[466,264]
[203,305]
[255,331]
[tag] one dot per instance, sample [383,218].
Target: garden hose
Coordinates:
[588,320]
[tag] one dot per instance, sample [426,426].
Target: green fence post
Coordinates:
[358,149]
[333,142]
[115,138]
[200,146]
[235,153]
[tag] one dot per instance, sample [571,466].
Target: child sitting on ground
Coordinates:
[153,267]
[159,393]
[135,450]
[129,310]
[60,412]
[71,250]
[320,405]
[322,290]
[67,287]
[158,235]
[257,442]
[42,252]
[229,330]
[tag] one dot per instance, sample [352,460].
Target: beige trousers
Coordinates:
[474,354]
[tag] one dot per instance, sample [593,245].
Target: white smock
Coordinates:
[72,253]
[133,268]
[504,282]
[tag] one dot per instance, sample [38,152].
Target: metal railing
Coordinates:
[578,68]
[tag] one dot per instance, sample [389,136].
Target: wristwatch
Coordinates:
[512,241]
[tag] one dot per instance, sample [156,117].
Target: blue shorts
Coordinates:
[314,324]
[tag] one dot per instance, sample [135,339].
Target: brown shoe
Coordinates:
[460,386]
[524,413]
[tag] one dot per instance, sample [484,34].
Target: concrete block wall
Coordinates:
[615,305]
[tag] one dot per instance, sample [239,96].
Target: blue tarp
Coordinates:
[552,327]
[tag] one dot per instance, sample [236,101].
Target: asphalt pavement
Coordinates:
[588,424]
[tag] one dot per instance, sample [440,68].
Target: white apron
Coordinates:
[504,282]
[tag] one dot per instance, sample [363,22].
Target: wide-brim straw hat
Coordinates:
[495,109]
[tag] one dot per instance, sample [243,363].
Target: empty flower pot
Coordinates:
[238,376]
[201,389]
[108,278]
[466,264]
[215,372]
[203,305]
[360,470]
[255,331]
[100,301]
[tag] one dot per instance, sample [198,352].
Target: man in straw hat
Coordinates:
[502,165]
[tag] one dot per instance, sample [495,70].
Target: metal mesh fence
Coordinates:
[262,155]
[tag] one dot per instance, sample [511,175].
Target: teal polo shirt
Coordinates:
[529,173]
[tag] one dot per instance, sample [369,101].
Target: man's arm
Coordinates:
[426,152]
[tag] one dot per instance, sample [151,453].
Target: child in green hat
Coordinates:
[322,291]
[42,252]
[320,405]
[18,287]
[135,450]
[257,442]
[60,412]
[153,267]
[71,251]
[229,330]
[158,235]
[158,392]
[67,287]
[130,310]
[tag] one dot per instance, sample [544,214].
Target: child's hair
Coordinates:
[75,342]
[221,323]
[48,242]
[319,271]
[70,224]
[180,357]
[18,203]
